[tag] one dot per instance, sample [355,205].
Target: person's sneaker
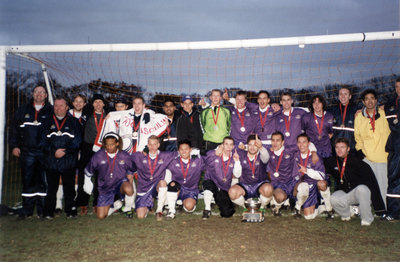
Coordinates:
[84,211]
[71,215]
[49,217]
[159,216]
[365,223]
[206,214]
[179,208]
[345,218]
[276,211]
[170,216]
[297,214]
[389,218]
[129,214]
[330,215]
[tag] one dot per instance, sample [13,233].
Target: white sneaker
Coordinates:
[170,216]
[365,223]
[345,218]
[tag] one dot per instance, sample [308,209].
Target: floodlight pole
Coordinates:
[3,93]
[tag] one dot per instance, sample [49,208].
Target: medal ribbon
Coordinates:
[100,123]
[215,119]
[79,119]
[343,168]
[264,119]
[241,117]
[185,172]
[287,121]
[305,161]
[225,168]
[135,127]
[319,127]
[279,161]
[372,120]
[62,124]
[37,111]
[252,164]
[191,119]
[152,167]
[113,162]
[343,115]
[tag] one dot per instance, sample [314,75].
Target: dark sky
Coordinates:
[126,21]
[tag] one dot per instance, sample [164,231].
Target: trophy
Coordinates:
[253,214]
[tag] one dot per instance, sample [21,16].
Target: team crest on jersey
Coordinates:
[391,108]
[336,168]
[103,162]
[122,162]
[298,116]
[26,116]
[330,121]
[177,165]
[52,126]
[350,121]
[287,156]
[160,161]
[216,160]
[281,120]
[144,161]
[297,178]
[67,128]
[247,114]
[194,165]
[310,186]
[270,114]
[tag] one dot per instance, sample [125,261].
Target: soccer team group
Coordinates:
[280,154]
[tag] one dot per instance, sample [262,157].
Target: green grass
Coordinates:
[189,238]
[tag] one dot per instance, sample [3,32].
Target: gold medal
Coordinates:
[59,133]
[319,137]
[341,181]
[224,179]
[35,122]
[342,125]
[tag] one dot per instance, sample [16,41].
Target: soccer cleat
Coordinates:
[159,216]
[129,214]
[170,216]
[297,214]
[84,211]
[330,215]
[206,214]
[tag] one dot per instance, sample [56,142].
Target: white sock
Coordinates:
[326,195]
[311,216]
[60,194]
[234,181]
[117,205]
[286,202]
[76,188]
[128,203]
[302,195]
[276,204]
[239,201]
[265,201]
[134,194]
[171,199]
[162,196]
[208,195]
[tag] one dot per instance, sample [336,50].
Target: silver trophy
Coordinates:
[253,213]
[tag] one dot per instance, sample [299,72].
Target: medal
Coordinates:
[341,181]
[59,133]
[343,114]
[252,166]
[287,134]
[111,174]
[372,120]
[395,121]
[152,167]
[319,127]
[184,171]
[341,171]
[215,128]
[319,137]
[111,167]
[276,174]
[342,125]
[184,180]
[224,179]
[215,119]
[242,129]
[135,135]
[287,123]
[225,169]
[253,176]
[304,164]
[135,129]
[241,118]
[35,122]
[263,119]
[36,115]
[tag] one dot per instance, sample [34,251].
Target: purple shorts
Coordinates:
[146,199]
[251,190]
[286,187]
[312,199]
[107,198]
[185,193]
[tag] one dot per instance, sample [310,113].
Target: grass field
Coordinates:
[189,238]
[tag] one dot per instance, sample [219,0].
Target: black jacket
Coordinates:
[356,173]
[189,127]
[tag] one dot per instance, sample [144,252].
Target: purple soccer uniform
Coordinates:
[215,170]
[112,173]
[318,169]
[242,125]
[150,172]
[264,122]
[187,178]
[295,125]
[321,140]
[254,174]
[283,175]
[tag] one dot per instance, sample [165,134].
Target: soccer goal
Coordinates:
[303,65]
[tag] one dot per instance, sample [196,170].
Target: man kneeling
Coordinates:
[115,175]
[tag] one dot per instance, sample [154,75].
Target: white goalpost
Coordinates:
[195,67]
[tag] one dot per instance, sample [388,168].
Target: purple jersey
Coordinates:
[110,170]
[287,171]
[215,170]
[151,171]
[191,182]
[248,166]
[321,141]
[264,122]
[295,126]
[318,167]
[242,125]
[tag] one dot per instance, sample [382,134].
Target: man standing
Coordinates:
[216,122]
[188,125]
[61,145]
[371,131]
[26,134]
[169,138]
[355,184]
[392,110]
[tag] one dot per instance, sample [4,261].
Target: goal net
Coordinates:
[302,65]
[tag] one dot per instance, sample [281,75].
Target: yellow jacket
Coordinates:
[372,143]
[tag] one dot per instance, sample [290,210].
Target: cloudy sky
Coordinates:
[128,21]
